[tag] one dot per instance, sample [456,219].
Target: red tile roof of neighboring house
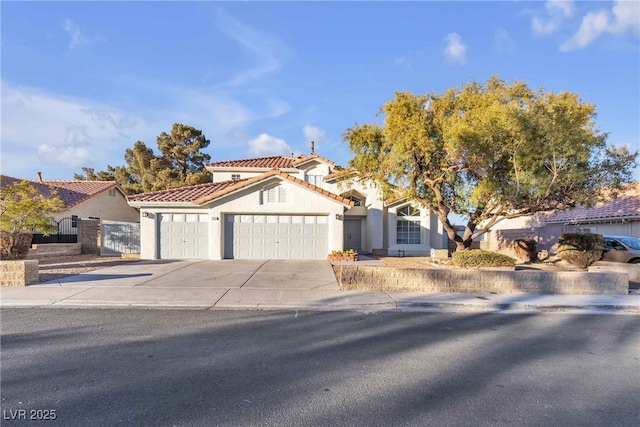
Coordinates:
[184,194]
[273,162]
[71,193]
[203,193]
[75,192]
[626,205]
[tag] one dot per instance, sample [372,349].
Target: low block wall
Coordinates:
[18,273]
[481,281]
[631,270]
[53,249]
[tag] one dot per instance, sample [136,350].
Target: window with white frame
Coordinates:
[314,179]
[235,177]
[274,194]
[408,226]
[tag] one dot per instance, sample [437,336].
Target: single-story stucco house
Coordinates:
[280,207]
[103,200]
[615,216]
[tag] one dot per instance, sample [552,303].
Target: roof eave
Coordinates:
[152,204]
[592,220]
[247,169]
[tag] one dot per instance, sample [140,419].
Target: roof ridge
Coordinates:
[252,158]
[73,180]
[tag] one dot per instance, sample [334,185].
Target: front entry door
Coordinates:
[353,234]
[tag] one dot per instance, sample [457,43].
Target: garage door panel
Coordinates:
[276,237]
[183,236]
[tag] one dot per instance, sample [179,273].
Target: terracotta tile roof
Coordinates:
[340,172]
[304,158]
[184,194]
[626,205]
[278,162]
[203,193]
[71,193]
[75,192]
[273,162]
[269,174]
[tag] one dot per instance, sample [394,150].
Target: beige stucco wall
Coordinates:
[431,234]
[300,200]
[103,206]
[372,210]
[516,223]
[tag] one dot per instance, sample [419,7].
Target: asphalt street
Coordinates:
[105,367]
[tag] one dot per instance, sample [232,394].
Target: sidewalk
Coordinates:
[271,286]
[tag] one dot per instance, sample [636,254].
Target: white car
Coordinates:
[621,249]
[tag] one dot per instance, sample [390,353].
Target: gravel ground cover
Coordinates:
[53,268]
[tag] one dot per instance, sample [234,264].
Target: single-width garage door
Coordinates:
[276,236]
[184,236]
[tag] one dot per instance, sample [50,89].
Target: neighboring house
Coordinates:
[618,216]
[85,199]
[280,207]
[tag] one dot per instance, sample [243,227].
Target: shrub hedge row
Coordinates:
[580,249]
[477,258]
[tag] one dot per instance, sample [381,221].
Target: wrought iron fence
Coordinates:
[67,232]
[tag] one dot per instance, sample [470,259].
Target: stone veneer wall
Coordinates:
[18,273]
[481,281]
[53,249]
[89,236]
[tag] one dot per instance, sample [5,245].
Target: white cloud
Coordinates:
[312,133]
[624,17]
[556,12]
[502,41]
[70,156]
[560,7]
[402,61]
[593,25]
[266,145]
[266,49]
[76,38]
[455,50]
[64,132]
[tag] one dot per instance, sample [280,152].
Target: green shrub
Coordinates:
[526,249]
[477,258]
[580,249]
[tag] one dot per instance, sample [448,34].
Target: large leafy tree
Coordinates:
[24,209]
[180,162]
[489,152]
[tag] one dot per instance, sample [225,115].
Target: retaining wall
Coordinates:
[53,249]
[631,270]
[481,281]
[18,273]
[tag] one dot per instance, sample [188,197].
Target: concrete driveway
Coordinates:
[227,274]
[199,284]
[273,284]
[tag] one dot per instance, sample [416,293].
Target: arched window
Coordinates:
[408,226]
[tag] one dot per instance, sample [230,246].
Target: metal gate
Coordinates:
[120,238]
[66,232]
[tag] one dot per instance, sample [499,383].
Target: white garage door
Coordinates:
[184,236]
[276,236]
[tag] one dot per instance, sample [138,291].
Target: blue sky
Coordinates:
[82,81]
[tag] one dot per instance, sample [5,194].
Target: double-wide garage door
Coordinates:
[276,236]
[184,236]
